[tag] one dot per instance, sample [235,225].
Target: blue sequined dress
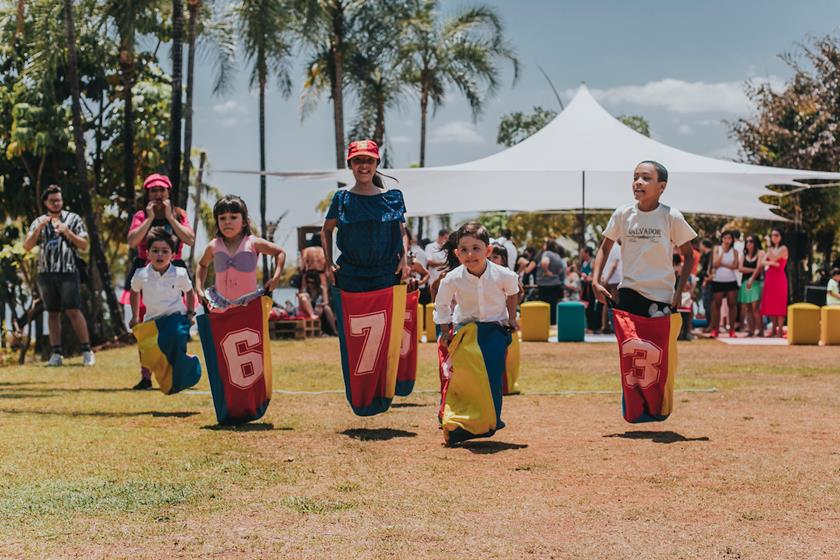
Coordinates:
[369,238]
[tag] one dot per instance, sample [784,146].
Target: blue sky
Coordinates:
[680,64]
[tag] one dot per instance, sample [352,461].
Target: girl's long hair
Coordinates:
[756,245]
[377,179]
[231,204]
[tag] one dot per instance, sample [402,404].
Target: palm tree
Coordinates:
[216,33]
[176,107]
[125,14]
[325,26]
[96,248]
[263,27]
[375,67]
[461,51]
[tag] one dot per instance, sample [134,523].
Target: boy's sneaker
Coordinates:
[88,358]
[56,360]
[143,384]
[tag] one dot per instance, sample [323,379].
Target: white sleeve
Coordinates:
[443,302]
[681,232]
[613,229]
[510,283]
[137,280]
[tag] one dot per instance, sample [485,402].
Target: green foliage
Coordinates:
[517,126]
[797,128]
[636,122]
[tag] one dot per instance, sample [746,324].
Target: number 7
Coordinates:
[372,327]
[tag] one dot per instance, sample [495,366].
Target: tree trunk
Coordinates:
[337,84]
[175,113]
[199,186]
[21,17]
[263,228]
[127,68]
[424,111]
[379,126]
[193,6]
[96,249]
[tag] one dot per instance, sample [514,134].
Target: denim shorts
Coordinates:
[60,290]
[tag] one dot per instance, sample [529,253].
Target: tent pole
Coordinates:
[582,242]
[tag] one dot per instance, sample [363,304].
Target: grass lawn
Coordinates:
[89,468]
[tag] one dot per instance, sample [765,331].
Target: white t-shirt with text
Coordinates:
[647,248]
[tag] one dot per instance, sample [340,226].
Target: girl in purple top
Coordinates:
[233,253]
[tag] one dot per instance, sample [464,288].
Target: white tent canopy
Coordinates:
[584,158]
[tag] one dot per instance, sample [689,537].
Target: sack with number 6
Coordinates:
[648,362]
[238,359]
[370,334]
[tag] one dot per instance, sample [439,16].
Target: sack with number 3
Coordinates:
[238,359]
[370,334]
[648,362]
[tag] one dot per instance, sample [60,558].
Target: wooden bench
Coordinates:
[298,329]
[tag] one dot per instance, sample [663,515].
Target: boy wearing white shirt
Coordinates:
[163,286]
[482,291]
[648,231]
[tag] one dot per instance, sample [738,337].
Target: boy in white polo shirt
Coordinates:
[163,286]
[482,291]
[648,231]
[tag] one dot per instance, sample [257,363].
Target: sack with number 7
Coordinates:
[648,362]
[238,358]
[370,334]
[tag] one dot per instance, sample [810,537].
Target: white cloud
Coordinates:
[685,129]
[229,107]
[400,139]
[456,132]
[680,96]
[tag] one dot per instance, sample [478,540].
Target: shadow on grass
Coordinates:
[258,427]
[19,383]
[24,394]
[101,414]
[489,447]
[377,434]
[657,437]
[177,414]
[408,405]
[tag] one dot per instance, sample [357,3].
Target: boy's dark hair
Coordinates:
[506,233]
[500,251]
[52,189]
[160,234]
[707,243]
[474,229]
[586,249]
[231,204]
[661,172]
[835,271]
[443,231]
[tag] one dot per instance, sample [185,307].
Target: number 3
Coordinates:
[372,328]
[243,358]
[646,359]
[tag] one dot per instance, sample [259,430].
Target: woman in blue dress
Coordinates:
[371,228]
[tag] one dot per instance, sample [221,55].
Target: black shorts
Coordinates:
[633,302]
[60,290]
[718,287]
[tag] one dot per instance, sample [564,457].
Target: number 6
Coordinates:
[243,358]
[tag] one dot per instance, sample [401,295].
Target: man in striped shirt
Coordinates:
[59,235]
